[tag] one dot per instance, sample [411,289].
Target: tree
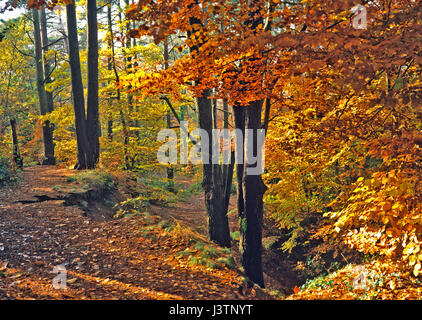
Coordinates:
[15,80]
[45,99]
[49,130]
[266,44]
[208,43]
[86,154]
[170,169]
[92,120]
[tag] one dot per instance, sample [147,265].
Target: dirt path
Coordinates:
[192,213]
[103,259]
[278,270]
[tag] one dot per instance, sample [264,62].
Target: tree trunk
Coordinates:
[218,225]
[110,68]
[85,154]
[93,128]
[170,169]
[17,159]
[253,191]
[45,101]
[227,168]
[239,122]
[122,114]
[250,192]
[48,128]
[251,188]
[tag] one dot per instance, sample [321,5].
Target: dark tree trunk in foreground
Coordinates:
[93,128]
[45,101]
[250,192]
[85,153]
[212,183]
[251,188]
[215,200]
[253,191]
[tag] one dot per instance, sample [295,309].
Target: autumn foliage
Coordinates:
[341,104]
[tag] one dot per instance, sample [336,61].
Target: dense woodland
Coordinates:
[336,85]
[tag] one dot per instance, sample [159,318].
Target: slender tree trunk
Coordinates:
[63,31]
[45,100]
[17,159]
[239,122]
[85,154]
[93,128]
[121,113]
[117,79]
[129,68]
[228,169]
[48,128]
[110,68]
[170,169]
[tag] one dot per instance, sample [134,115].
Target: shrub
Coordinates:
[381,213]
[93,180]
[7,174]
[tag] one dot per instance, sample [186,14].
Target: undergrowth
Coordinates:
[208,255]
[93,180]
[8,174]
[369,281]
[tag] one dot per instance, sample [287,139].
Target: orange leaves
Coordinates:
[32,4]
[412,254]
[344,104]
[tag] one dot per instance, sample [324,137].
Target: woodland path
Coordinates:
[104,258]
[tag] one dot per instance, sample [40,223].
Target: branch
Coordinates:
[51,72]
[54,42]
[344,109]
[21,52]
[166,99]
[266,114]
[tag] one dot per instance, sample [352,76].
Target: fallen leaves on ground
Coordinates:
[110,259]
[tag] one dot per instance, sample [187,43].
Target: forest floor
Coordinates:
[105,258]
[157,252]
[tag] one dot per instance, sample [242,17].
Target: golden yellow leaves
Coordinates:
[412,253]
[384,211]
[381,280]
